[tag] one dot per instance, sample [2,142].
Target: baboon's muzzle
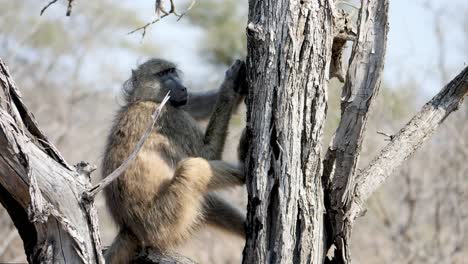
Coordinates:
[178,94]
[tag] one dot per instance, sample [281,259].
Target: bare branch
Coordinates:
[69,6]
[159,8]
[389,137]
[409,139]
[144,27]
[192,4]
[38,189]
[47,6]
[117,172]
[344,31]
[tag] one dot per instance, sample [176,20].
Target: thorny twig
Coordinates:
[389,137]
[91,193]
[158,10]
[69,6]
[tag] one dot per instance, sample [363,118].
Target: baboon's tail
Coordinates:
[122,249]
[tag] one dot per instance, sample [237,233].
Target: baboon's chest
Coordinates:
[184,135]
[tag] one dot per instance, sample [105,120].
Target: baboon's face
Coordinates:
[157,77]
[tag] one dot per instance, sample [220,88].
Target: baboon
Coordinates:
[165,194]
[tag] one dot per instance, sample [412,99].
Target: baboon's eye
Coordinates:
[165,72]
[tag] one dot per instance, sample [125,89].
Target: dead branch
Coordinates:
[158,10]
[344,31]
[117,172]
[38,188]
[408,140]
[69,6]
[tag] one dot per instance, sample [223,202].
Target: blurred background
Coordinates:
[70,71]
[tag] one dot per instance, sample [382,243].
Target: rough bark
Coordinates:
[289,50]
[360,89]
[42,193]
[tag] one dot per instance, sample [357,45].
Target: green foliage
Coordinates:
[224,23]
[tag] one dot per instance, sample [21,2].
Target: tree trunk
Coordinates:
[289,50]
[40,191]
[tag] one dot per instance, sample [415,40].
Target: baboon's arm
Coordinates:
[229,96]
[221,214]
[211,174]
[225,175]
[216,132]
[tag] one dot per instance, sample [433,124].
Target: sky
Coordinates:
[412,49]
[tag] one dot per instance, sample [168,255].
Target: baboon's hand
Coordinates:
[236,76]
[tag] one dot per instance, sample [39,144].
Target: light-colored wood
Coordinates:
[361,87]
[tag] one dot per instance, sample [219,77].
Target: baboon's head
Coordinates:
[152,80]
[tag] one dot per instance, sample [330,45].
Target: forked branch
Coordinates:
[158,10]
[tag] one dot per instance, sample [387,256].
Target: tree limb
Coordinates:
[408,140]
[344,30]
[41,191]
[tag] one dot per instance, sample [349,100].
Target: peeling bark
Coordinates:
[360,89]
[43,193]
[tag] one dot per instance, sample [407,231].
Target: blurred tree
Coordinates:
[224,23]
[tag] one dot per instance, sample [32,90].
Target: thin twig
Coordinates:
[117,172]
[69,8]
[47,6]
[390,137]
[158,10]
[192,4]
[144,27]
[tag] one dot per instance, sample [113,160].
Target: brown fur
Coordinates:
[164,195]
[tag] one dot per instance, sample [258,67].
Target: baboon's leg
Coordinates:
[215,174]
[219,213]
[123,248]
[192,179]
[179,204]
